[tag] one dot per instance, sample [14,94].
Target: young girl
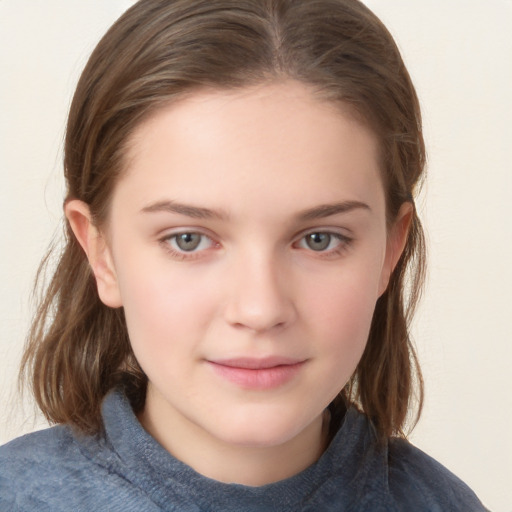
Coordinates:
[227,326]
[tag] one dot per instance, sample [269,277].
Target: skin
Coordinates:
[256,286]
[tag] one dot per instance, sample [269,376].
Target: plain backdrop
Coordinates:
[459,53]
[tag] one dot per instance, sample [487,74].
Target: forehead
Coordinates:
[278,140]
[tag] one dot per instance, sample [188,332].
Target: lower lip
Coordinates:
[258,379]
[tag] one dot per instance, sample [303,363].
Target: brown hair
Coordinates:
[159,50]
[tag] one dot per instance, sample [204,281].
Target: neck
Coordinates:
[235,463]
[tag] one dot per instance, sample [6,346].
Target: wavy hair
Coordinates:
[159,51]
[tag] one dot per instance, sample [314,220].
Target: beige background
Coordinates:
[459,54]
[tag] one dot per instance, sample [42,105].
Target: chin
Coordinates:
[260,431]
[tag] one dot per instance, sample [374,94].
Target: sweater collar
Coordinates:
[130,451]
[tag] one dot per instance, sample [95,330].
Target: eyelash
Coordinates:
[180,254]
[343,245]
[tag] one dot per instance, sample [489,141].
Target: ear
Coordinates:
[397,238]
[97,251]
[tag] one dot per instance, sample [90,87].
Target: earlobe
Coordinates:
[397,238]
[96,249]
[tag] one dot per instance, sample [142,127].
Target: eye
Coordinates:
[323,241]
[318,241]
[188,242]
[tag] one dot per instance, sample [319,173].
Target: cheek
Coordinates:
[341,311]
[345,318]
[345,334]
[169,310]
[162,308]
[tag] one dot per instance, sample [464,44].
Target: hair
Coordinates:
[161,50]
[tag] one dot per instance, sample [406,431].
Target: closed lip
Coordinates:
[252,363]
[258,374]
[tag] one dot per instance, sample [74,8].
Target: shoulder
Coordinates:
[56,470]
[35,465]
[40,443]
[45,449]
[416,479]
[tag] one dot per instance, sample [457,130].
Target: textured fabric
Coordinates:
[127,470]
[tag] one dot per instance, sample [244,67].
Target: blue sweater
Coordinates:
[127,470]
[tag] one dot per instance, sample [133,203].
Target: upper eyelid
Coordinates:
[171,232]
[342,238]
[166,241]
[210,242]
[168,233]
[340,232]
[343,241]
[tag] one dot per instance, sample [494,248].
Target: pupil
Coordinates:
[318,241]
[188,241]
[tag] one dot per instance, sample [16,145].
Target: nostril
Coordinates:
[259,296]
[260,319]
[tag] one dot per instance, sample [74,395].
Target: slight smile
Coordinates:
[257,374]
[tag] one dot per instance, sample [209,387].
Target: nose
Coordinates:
[260,296]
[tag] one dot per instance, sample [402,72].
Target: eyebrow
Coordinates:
[195,212]
[326,210]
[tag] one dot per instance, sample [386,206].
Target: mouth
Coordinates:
[257,374]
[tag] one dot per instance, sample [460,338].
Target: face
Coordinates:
[247,244]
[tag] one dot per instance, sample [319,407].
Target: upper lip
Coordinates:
[252,363]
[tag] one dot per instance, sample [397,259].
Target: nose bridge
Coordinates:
[259,298]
